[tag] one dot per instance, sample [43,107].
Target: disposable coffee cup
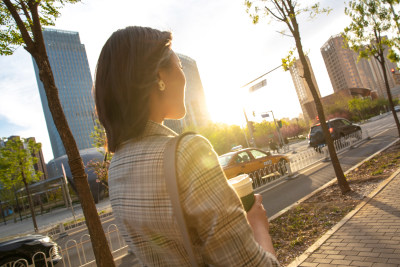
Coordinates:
[243,186]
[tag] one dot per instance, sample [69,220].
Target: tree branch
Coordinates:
[285,15]
[20,24]
[26,13]
[36,29]
[274,15]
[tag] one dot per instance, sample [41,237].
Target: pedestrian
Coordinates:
[273,146]
[139,83]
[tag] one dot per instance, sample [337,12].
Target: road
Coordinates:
[286,192]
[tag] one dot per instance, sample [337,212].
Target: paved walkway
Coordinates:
[368,236]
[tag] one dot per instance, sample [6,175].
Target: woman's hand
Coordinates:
[258,220]
[257,216]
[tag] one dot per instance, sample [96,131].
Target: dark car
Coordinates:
[338,127]
[19,249]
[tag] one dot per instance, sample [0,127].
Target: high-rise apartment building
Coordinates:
[345,72]
[73,79]
[303,90]
[196,109]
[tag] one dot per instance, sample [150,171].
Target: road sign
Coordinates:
[264,115]
[258,86]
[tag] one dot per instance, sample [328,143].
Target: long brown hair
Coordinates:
[126,72]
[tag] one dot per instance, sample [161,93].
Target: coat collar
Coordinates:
[154,128]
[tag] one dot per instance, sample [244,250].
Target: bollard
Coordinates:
[63,233]
[351,141]
[366,132]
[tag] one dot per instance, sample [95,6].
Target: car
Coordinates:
[249,160]
[338,127]
[20,250]
[397,108]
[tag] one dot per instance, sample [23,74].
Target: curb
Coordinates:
[300,259]
[329,183]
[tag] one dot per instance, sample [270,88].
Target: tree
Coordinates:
[286,11]
[360,106]
[222,136]
[100,168]
[18,156]
[21,24]
[7,195]
[366,36]
[395,17]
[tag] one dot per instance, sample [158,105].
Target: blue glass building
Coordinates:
[73,79]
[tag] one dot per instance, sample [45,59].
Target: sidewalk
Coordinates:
[367,236]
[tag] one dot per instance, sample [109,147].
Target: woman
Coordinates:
[139,83]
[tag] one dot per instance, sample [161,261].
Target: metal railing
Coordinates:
[76,253]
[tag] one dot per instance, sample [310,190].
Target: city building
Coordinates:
[40,165]
[345,71]
[73,79]
[196,109]
[303,90]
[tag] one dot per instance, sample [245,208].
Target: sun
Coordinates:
[226,106]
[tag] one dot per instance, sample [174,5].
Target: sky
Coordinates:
[229,50]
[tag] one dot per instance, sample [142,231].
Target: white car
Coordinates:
[397,108]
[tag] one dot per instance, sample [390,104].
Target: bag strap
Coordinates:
[172,187]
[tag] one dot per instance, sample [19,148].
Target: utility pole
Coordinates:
[250,127]
[251,89]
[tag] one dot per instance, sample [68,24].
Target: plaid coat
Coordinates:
[217,223]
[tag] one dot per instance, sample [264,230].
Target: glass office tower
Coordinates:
[73,79]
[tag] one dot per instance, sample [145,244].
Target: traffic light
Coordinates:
[280,124]
[392,70]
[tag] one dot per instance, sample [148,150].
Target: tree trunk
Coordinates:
[28,193]
[99,242]
[389,94]
[17,203]
[342,182]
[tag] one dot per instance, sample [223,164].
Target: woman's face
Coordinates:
[173,97]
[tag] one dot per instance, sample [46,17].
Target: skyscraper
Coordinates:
[303,90]
[196,109]
[345,72]
[73,79]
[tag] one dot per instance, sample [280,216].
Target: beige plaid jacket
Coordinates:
[217,224]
